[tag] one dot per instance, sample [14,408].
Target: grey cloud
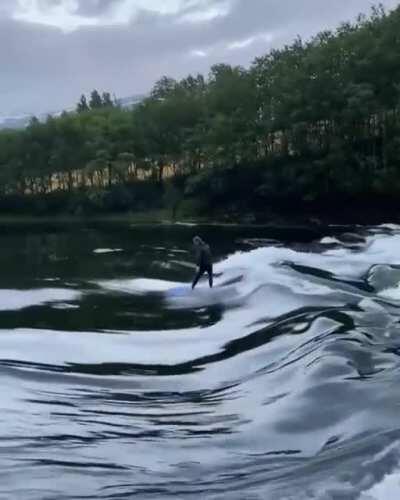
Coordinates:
[98,7]
[45,69]
[6,7]
[94,8]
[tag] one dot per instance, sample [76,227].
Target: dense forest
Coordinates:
[314,123]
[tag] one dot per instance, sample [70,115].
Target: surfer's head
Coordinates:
[198,241]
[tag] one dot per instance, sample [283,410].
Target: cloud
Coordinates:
[61,14]
[95,8]
[247,42]
[53,50]
[69,15]
[198,53]
[205,12]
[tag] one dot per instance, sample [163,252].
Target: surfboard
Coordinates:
[186,291]
[179,291]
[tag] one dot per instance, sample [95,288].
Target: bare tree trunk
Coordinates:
[109,168]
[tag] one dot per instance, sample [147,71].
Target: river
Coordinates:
[280,383]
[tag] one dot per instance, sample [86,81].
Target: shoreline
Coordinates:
[356,217]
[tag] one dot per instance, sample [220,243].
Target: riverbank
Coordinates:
[153,217]
[343,215]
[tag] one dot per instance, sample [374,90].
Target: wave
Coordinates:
[280,383]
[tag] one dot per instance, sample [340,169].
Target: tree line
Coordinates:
[314,121]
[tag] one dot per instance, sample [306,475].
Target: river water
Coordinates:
[280,383]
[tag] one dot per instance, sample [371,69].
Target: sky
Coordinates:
[52,51]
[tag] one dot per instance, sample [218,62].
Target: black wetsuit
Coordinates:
[204,262]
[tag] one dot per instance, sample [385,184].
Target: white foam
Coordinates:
[387,489]
[15,300]
[64,306]
[107,250]
[392,227]
[138,286]
[342,262]
[328,240]
[203,296]
[391,293]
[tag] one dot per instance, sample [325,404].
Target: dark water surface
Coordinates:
[281,383]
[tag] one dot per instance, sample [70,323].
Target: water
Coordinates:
[282,383]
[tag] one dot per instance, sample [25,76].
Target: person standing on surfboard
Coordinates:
[203,261]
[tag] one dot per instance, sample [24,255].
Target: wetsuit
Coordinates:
[204,263]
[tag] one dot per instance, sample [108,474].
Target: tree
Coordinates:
[96,101]
[313,120]
[106,100]
[173,197]
[163,88]
[82,105]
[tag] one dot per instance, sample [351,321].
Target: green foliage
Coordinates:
[107,102]
[82,105]
[95,100]
[316,121]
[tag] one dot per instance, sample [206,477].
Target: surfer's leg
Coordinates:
[210,276]
[199,274]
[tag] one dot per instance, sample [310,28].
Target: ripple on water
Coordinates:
[286,388]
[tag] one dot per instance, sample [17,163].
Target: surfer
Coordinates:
[203,261]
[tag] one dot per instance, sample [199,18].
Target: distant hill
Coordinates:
[22,120]
[14,121]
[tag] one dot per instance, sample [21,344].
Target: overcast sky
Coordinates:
[51,51]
